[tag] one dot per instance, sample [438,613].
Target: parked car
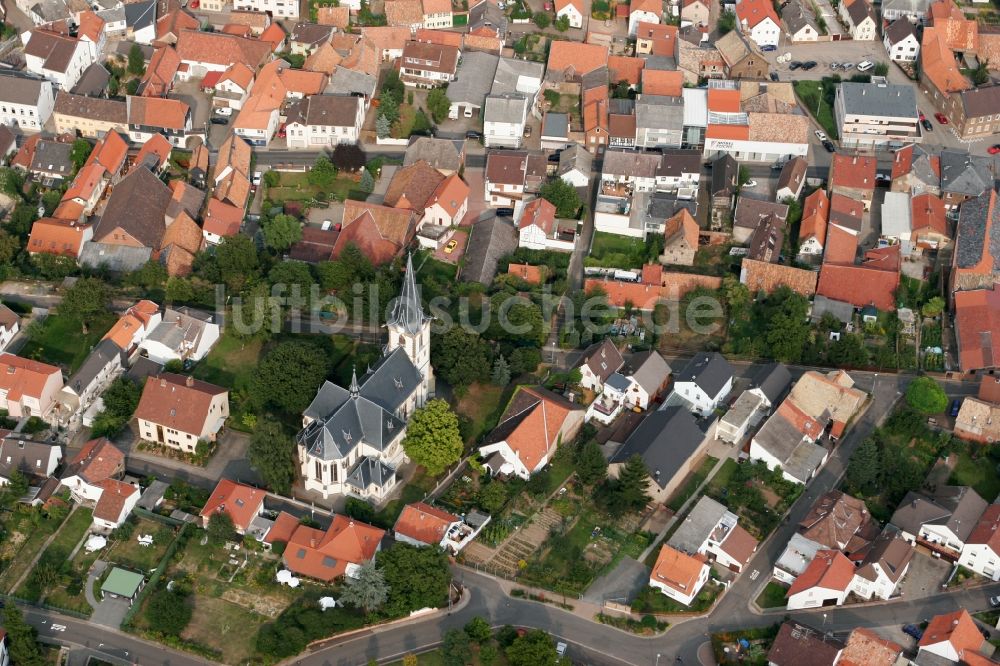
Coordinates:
[865,65]
[475,136]
[913,630]
[219,120]
[527,131]
[830,148]
[883,178]
[941,118]
[994,149]
[834,65]
[794,65]
[810,64]
[561,649]
[926,123]
[223,110]
[774,76]
[505,212]
[846,66]
[750,183]
[282,132]
[956,405]
[769,47]
[450,247]
[821,135]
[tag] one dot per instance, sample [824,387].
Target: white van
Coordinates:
[865,65]
[468,112]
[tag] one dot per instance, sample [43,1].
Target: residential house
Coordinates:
[829,397]
[102,366]
[325,120]
[916,170]
[853,176]
[647,373]
[182,334]
[421,524]
[791,179]
[978,421]
[381,233]
[180,412]
[704,383]
[942,521]
[671,444]
[860,20]
[35,460]
[928,222]
[98,461]
[951,637]
[679,576]
[443,154]
[505,176]
[538,228]
[914,11]
[876,116]
[575,165]
[981,552]
[133,326]
[231,175]
[659,121]
[572,10]
[332,554]
[307,37]
[570,61]
[724,186]
[799,644]
[232,87]
[845,221]
[825,582]
[656,39]
[974,259]
[900,40]
[51,162]
[90,116]
[787,441]
[504,118]
[742,56]
[149,116]
[695,12]
[25,103]
[765,276]
[883,567]
[873,282]
[865,647]
[768,385]
[643,11]
[758,20]
[711,529]
[205,52]
[281,9]
[977,315]
[8,142]
[680,240]
[555,131]
[840,522]
[600,361]
[489,240]
[27,387]
[56,56]
[115,504]
[535,423]
[241,502]
[799,22]
[10,324]
[426,65]
[794,559]
[60,237]
[436,14]
[447,205]
[751,213]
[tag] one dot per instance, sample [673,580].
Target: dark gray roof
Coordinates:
[487,14]
[139,15]
[123,48]
[355,420]
[665,439]
[19,89]
[439,153]
[697,525]
[115,258]
[489,240]
[899,30]
[311,34]
[772,380]
[793,174]
[596,78]
[137,205]
[676,162]
[350,82]
[659,112]
[618,381]
[556,124]
[20,453]
[369,471]
[709,370]
[750,211]
[966,174]
[631,163]
[393,379]
[152,495]
[958,508]
[474,78]
[408,311]
[575,157]
[649,370]
[870,99]
[142,368]
[784,441]
[796,17]
[53,157]
[93,81]
[859,10]
[970,233]
[725,171]
[98,359]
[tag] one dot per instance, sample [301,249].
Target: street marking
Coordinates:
[754,574]
[58,627]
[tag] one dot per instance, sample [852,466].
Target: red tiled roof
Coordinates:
[866,648]
[177,402]
[53,236]
[815,214]
[874,282]
[752,12]
[242,503]
[222,219]
[938,64]
[977,327]
[841,246]
[989,389]
[678,571]
[767,276]
[722,100]
[424,523]
[98,460]
[625,68]
[325,555]
[927,215]
[114,494]
[957,628]
[830,569]
[853,172]
[540,213]
[24,377]
[283,528]
[644,296]
[662,82]
[662,38]
[577,58]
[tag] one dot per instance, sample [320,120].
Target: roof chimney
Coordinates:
[163,382]
[189,381]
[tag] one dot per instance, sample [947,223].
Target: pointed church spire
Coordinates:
[408,313]
[355,391]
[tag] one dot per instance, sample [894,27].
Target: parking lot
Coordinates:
[825,53]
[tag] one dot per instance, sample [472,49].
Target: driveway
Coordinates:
[474,178]
[925,576]
[621,584]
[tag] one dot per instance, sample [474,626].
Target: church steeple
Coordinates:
[408,313]
[355,390]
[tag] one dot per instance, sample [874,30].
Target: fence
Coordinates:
[157,574]
[57,609]
[166,520]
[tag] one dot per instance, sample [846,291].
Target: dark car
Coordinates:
[995,602]
[830,148]
[913,630]
[774,76]
[219,120]
[505,212]
[927,124]
[769,47]
[809,65]
[794,65]
[956,405]
[475,136]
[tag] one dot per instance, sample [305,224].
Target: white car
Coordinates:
[561,649]
[750,183]
[821,135]
[865,66]
[223,111]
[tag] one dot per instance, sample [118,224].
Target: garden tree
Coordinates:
[926,396]
[743,175]
[517,321]
[492,496]
[351,267]
[591,466]
[272,452]
[323,173]
[348,157]
[220,528]
[981,74]
[933,307]
[432,437]
[535,648]
[538,483]
[272,178]
[136,61]
[287,378]
[421,124]
[417,577]
[460,357]
[358,509]
[120,401]
[383,124]
[281,232]
[292,274]
[726,22]
[256,314]
[864,470]
[367,589]
[236,261]
[22,638]
[456,648]
[53,267]
[50,201]
[627,493]
[620,90]
[542,20]
[367,182]
[501,372]
[737,295]
[169,610]
[788,325]
[525,360]
[562,195]
[79,153]
[20,220]
[410,660]
[86,301]
[179,290]
[152,275]
[16,488]
[479,630]
[12,182]
[849,350]
[438,104]
[562,23]
[132,86]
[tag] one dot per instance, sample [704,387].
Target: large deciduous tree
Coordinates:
[926,396]
[85,301]
[535,648]
[367,589]
[281,232]
[562,195]
[438,104]
[460,357]
[272,452]
[432,437]
[417,577]
[287,378]
[169,611]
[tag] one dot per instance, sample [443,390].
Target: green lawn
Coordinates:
[72,531]
[35,531]
[61,342]
[811,95]
[722,478]
[131,555]
[479,407]
[693,482]
[981,474]
[296,187]
[651,600]
[70,534]
[612,250]
[773,596]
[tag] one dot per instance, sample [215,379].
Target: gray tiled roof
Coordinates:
[356,420]
[489,240]
[709,370]
[351,82]
[21,453]
[772,379]
[507,108]
[115,258]
[665,439]
[473,79]
[439,153]
[392,381]
[970,233]
[781,439]
[649,370]
[966,174]
[18,89]
[369,471]
[697,525]
[659,112]
[486,13]
[98,359]
[509,72]
[870,99]
[139,15]
[93,81]
[556,124]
